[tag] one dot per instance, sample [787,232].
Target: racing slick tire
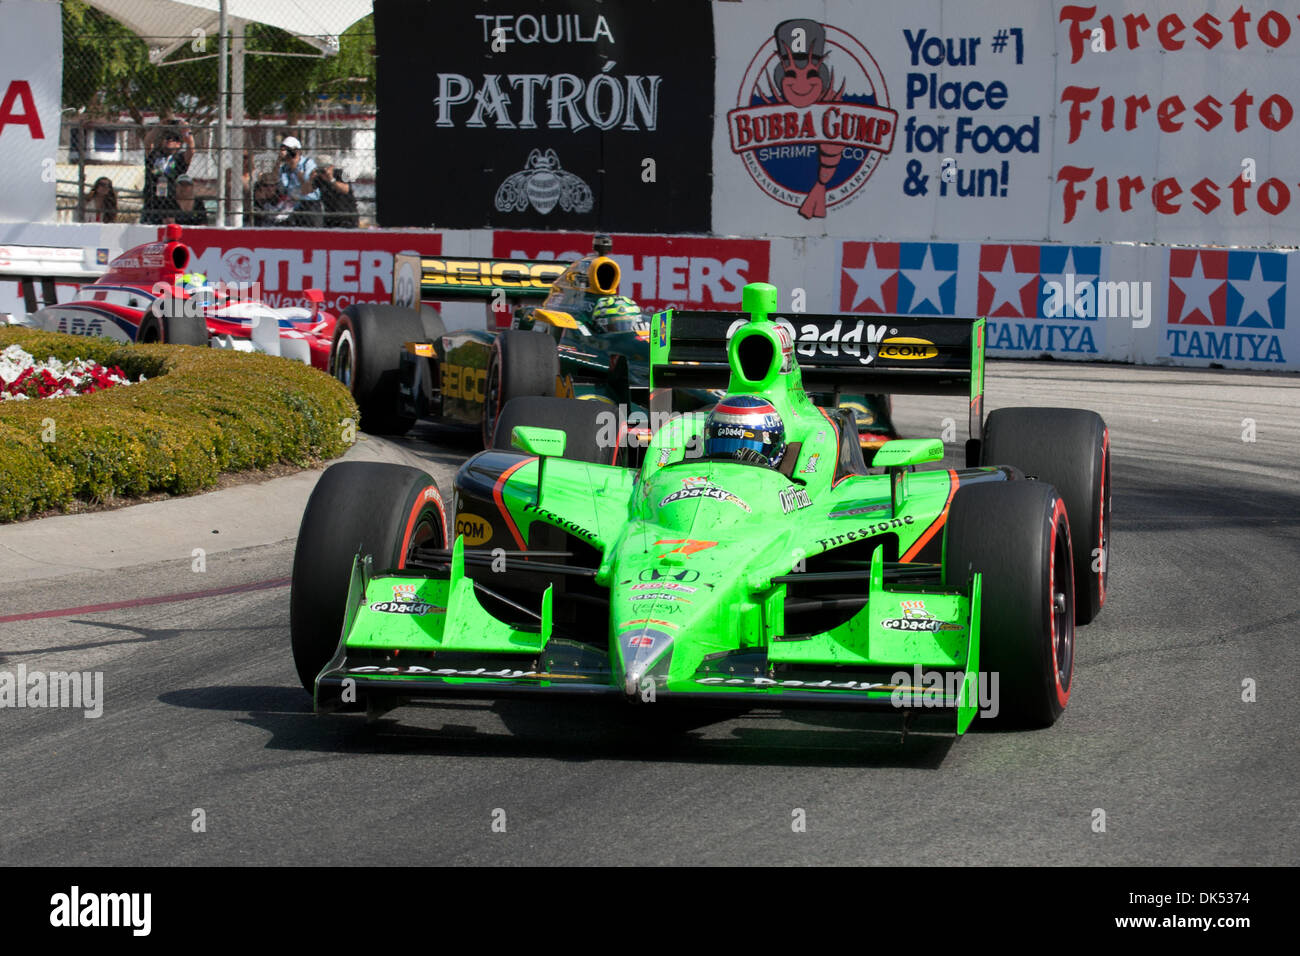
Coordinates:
[431,319]
[172,329]
[376,508]
[366,357]
[585,424]
[1017,535]
[521,364]
[1070,449]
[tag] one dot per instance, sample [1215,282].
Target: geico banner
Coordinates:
[31,78]
[686,272]
[348,266]
[1073,122]
[1119,302]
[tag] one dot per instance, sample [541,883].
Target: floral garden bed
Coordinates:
[23,377]
[154,418]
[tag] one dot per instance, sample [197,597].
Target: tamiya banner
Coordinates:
[1183,306]
[558,114]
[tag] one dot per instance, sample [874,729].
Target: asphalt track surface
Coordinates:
[203,711]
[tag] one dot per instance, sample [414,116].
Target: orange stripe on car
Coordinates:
[938,522]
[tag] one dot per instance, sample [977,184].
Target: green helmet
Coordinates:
[618,313]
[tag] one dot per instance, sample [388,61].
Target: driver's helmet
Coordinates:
[618,313]
[747,428]
[195,286]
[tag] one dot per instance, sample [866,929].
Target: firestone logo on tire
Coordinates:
[812,117]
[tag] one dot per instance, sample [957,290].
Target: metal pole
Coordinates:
[238,142]
[81,176]
[223,90]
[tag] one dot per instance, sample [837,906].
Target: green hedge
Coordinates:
[201,412]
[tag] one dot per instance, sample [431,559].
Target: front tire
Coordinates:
[1017,535]
[157,326]
[522,364]
[585,424]
[1070,449]
[366,357]
[374,508]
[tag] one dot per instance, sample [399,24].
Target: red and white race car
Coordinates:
[148,296]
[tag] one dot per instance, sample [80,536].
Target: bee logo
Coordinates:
[542,183]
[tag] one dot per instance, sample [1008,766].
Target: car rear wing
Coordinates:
[419,279]
[45,266]
[893,354]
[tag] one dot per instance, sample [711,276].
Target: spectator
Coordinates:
[188,210]
[337,200]
[270,206]
[165,161]
[298,183]
[101,202]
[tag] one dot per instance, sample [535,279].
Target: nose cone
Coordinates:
[644,646]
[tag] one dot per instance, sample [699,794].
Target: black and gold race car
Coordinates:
[553,331]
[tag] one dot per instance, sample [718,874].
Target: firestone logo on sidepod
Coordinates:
[812,117]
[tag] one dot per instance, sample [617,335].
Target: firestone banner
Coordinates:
[1168,122]
[31,83]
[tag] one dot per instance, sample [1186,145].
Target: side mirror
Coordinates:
[908,451]
[898,455]
[539,441]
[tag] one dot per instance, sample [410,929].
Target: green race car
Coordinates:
[754,559]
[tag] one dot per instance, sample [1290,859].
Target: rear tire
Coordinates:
[521,364]
[366,357]
[584,423]
[1070,449]
[377,508]
[431,319]
[1017,535]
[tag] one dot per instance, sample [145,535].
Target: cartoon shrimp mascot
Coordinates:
[804,78]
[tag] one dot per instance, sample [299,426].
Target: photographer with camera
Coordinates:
[339,204]
[298,182]
[166,160]
[270,207]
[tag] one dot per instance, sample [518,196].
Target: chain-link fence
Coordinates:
[141,133]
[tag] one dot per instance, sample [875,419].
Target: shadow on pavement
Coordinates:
[575,731]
